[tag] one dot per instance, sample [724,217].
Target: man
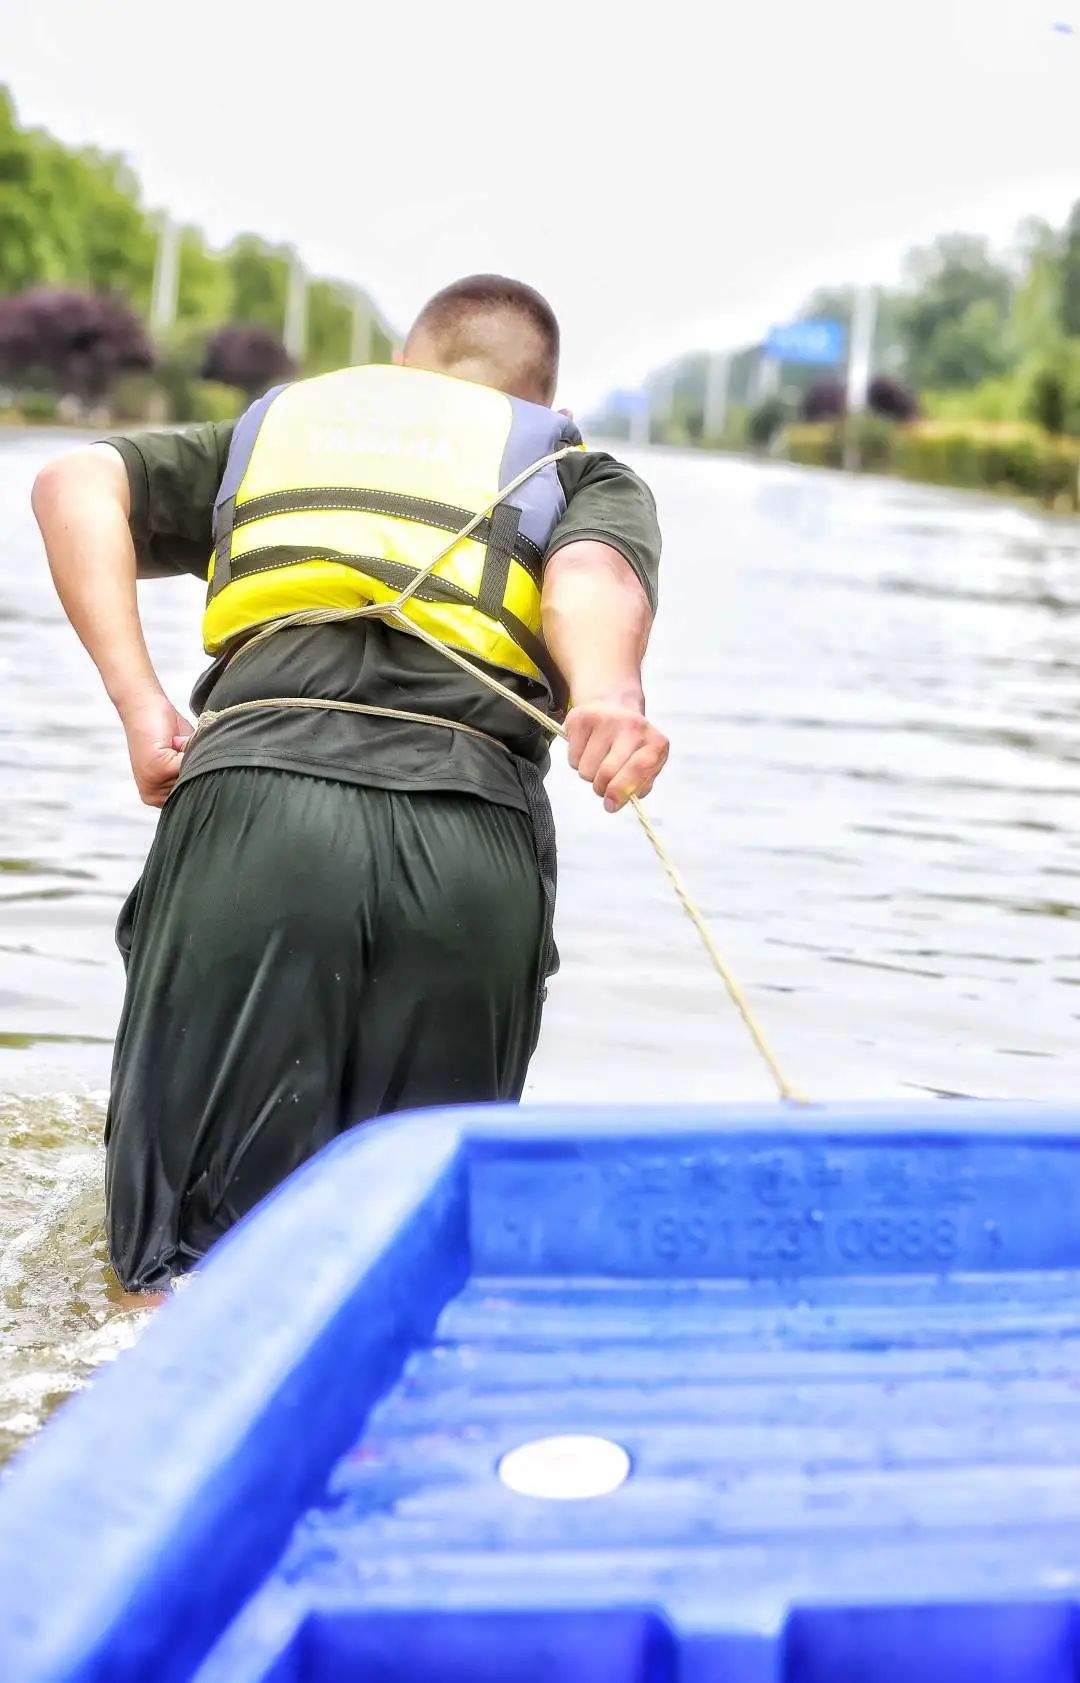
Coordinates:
[347,906]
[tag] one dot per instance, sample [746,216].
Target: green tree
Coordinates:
[969,349]
[1035,320]
[383,344]
[116,237]
[69,216]
[204,291]
[1070,275]
[329,331]
[953,313]
[73,219]
[258,281]
[25,255]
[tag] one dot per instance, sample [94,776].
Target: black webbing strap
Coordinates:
[392,573]
[536,650]
[502,539]
[353,499]
[223,531]
[445,517]
[395,575]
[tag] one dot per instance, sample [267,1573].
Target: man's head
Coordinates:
[494,331]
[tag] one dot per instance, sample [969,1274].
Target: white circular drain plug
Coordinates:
[565,1469]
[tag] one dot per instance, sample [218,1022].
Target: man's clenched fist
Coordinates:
[614,747]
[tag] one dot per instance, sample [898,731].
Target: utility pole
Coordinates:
[639,419]
[660,407]
[166,287]
[717,380]
[362,335]
[294,333]
[766,377]
[859,368]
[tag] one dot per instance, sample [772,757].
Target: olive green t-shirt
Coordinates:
[174,478]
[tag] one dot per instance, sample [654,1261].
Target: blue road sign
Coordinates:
[628,402]
[819,343]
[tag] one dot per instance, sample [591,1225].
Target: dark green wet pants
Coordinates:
[302,955]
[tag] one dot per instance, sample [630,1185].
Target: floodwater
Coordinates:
[873,694]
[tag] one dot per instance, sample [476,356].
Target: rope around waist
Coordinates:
[211,716]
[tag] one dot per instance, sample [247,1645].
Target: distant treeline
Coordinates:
[77,258]
[973,348]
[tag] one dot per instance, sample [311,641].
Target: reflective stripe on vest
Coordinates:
[339,489]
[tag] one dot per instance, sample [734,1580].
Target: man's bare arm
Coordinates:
[82,505]
[597,620]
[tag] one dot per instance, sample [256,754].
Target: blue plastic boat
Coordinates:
[826,1362]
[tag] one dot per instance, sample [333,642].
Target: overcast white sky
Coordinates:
[672,176]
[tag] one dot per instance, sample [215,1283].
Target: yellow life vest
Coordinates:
[338,490]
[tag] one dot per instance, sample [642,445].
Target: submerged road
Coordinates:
[873,695]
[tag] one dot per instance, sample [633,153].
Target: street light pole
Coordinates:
[294,333]
[166,286]
[766,377]
[717,379]
[362,335]
[661,401]
[640,424]
[859,368]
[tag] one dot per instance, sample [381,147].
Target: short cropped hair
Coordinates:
[461,318]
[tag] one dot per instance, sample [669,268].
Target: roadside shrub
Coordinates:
[993,400]
[1017,459]
[213,401]
[814,444]
[38,408]
[137,397]
[70,342]
[874,442]
[245,355]
[821,444]
[825,400]
[1046,398]
[1022,460]
[764,421]
[891,399]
